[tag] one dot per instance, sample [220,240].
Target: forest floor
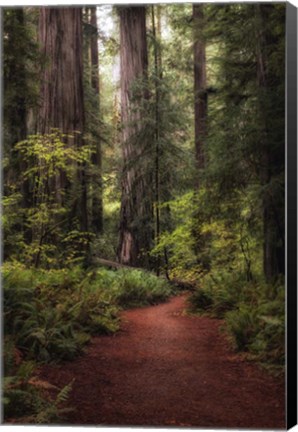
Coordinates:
[164,368]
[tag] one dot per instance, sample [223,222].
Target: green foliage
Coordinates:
[45,233]
[25,396]
[178,244]
[243,324]
[260,329]
[21,89]
[50,314]
[137,288]
[24,402]
[254,313]
[201,300]
[218,293]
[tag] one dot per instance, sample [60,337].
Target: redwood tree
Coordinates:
[200,90]
[200,119]
[97,206]
[62,95]
[271,156]
[136,200]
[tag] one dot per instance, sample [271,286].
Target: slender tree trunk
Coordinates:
[200,119]
[97,206]
[136,200]
[200,90]
[15,76]
[157,78]
[62,95]
[15,112]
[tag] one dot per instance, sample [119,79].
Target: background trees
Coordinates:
[162,138]
[129,164]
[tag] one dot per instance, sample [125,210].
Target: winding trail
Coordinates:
[167,369]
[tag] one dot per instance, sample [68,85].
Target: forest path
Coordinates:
[167,369]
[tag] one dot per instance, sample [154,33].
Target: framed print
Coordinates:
[149,215]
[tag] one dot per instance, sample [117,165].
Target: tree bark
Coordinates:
[96,159]
[15,86]
[273,232]
[62,94]
[200,89]
[15,101]
[136,201]
[200,120]
[157,79]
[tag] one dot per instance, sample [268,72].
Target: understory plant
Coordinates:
[25,397]
[49,316]
[253,311]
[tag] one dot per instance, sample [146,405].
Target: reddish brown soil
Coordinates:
[167,369]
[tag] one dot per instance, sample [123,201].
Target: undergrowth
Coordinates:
[49,316]
[253,311]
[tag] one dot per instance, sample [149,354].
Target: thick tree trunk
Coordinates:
[62,95]
[200,89]
[136,200]
[273,231]
[97,206]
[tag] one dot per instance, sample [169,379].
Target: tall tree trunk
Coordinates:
[200,120]
[62,95]
[15,111]
[15,75]
[200,90]
[157,79]
[136,200]
[97,206]
[273,229]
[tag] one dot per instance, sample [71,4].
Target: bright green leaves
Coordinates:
[47,220]
[48,154]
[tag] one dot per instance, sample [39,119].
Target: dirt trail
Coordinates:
[167,369]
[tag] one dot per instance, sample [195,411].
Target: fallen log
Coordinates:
[112,264]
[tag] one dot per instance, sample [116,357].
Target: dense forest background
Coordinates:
[152,137]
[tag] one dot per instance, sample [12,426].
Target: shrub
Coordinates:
[50,314]
[253,311]
[217,294]
[201,300]
[137,288]
[242,323]
[26,399]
